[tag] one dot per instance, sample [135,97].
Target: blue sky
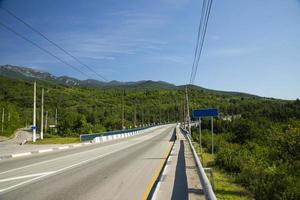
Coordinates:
[251,46]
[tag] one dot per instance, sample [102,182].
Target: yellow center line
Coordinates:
[156,174]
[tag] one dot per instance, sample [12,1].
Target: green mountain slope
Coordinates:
[29,74]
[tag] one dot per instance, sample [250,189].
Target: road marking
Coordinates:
[59,158]
[20,154]
[154,197]
[69,167]
[45,150]
[156,174]
[26,176]
[74,165]
[156,191]
[22,183]
[63,147]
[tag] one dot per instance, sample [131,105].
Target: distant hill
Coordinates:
[25,73]
[29,74]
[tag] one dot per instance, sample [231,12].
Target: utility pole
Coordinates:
[142,117]
[134,119]
[187,110]
[183,114]
[34,114]
[123,110]
[55,120]
[159,115]
[46,121]
[42,116]
[2,124]
[200,135]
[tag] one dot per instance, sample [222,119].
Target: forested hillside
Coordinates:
[260,148]
[97,108]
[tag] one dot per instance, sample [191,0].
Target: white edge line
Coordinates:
[71,166]
[45,150]
[63,147]
[63,157]
[22,183]
[25,176]
[20,154]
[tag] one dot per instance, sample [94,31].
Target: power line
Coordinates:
[198,38]
[41,48]
[53,43]
[202,39]
[206,8]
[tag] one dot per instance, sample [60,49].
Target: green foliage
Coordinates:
[260,145]
[11,118]
[265,157]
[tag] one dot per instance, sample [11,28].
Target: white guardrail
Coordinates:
[207,188]
[121,135]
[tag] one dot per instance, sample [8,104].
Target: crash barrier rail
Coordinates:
[92,136]
[207,188]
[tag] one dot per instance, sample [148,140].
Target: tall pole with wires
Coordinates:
[188,119]
[34,114]
[42,116]
[2,121]
[206,8]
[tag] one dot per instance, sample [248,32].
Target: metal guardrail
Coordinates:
[89,137]
[208,190]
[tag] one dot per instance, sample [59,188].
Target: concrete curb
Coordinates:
[158,173]
[17,155]
[96,140]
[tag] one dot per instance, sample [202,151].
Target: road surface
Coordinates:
[113,170]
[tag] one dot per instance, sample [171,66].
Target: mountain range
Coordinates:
[30,74]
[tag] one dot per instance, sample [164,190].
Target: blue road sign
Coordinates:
[211,112]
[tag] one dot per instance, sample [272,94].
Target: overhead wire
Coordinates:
[41,48]
[198,38]
[206,9]
[202,39]
[53,43]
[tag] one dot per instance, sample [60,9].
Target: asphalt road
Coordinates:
[115,170]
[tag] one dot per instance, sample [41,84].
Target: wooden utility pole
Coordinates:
[2,121]
[46,122]
[134,118]
[123,111]
[142,117]
[188,110]
[55,120]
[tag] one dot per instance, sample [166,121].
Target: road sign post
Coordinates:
[200,136]
[212,135]
[211,112]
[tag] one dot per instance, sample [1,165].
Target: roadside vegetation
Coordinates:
[56,139]
[84,110]
[261,150]
[257,140]
[225,185]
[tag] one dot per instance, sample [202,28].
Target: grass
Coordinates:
[54,139]
[226,187]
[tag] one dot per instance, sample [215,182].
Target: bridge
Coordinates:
[156,163]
